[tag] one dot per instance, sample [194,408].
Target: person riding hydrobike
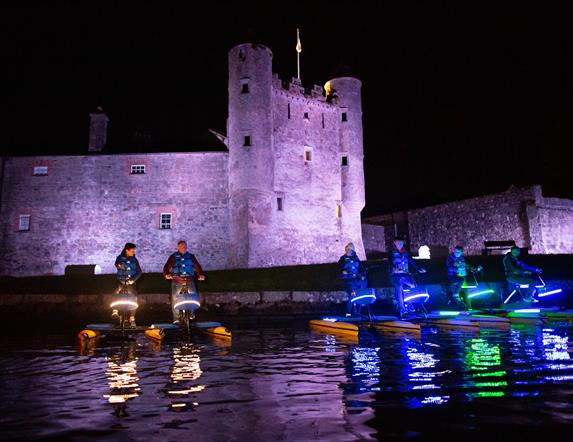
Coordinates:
[521,274]
[458,270]
[183,269]
[128,272]
[353,275]
[399,264]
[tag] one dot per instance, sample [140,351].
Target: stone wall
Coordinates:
[374,240]
[87,207]
[470,222]
[555,217]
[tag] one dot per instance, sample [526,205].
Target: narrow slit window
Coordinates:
[165,221]
[244,87]
[40,170]
[306,115]
[288,111]
[344,161]
[338,211]
[323,121]
[24,223]
[279,204]
[344,116]
[247,140]
[138,169]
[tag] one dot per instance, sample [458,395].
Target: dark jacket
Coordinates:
[168,268]
[352,265]
[515,267]
[131,269]
[399,261]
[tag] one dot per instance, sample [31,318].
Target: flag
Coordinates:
[298,45]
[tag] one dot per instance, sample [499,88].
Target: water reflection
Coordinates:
[290,384]
[186,370]
[422,374]
[366,368]
[122,378]
[483,364]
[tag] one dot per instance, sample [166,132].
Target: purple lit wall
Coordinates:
[291,194]
[544,225]
[87,207]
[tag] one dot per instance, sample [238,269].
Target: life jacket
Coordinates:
[351,264]
[457,266]
[400,261]
[130,267]
[183,265]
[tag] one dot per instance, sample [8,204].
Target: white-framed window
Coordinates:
[307,154]
[339,210]
[24,223]
[344,160]
[40,170]
[165,219]
[138,169]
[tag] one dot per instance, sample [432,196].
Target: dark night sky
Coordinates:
[457,102]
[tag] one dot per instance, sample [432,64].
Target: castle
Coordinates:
[288,190]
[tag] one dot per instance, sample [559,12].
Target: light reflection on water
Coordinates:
[288,384]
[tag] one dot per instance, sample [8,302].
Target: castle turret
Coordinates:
[345,93]
[251,153]
[98,130]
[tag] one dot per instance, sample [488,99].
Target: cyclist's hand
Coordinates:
[539,271]
[479,268]
[201,278]
[168,276]
[344,272]
[422,270]
[121,267]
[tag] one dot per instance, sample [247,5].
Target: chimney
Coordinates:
[98,130]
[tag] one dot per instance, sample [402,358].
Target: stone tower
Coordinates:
[296,178]
[251,155]
[347,96]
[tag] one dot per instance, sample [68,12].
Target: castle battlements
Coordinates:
[295,88]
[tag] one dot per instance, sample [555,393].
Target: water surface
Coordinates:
[291,383]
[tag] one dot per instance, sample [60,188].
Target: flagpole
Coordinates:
[298,51]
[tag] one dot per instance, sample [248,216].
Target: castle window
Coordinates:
[308,154]
[245,86]
[138,169]
[279,204]
[323,121]
[344,161]
[339,211]
[24,223]
[165,221]
[40,170]
[306,115]
[247,140]
[288,111]
[344,116]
